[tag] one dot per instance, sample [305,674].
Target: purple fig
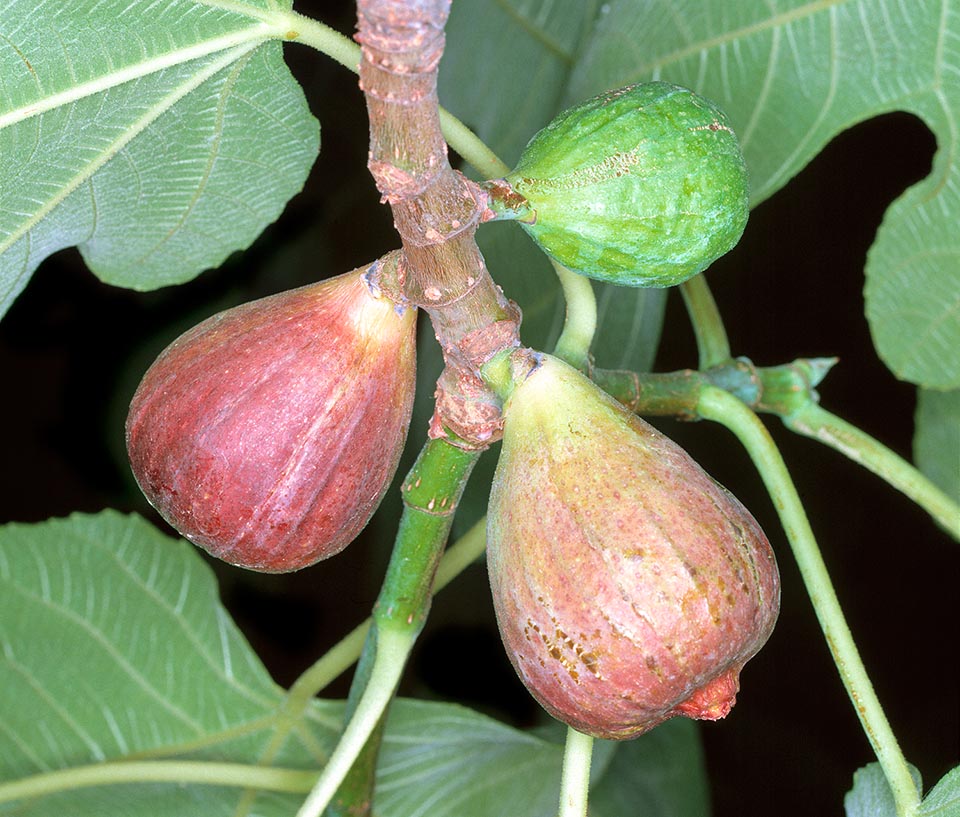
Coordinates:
[629,587]
[268,434]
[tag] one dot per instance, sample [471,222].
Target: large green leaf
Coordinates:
[114,646]
[114,643]
[157,137]
[447,761]
[792,75]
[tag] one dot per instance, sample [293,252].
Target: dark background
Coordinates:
[72,351]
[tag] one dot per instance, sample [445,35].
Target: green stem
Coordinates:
[430,492]
[580,324]
[460,555]
[789,391]
[179,772]
[324,39]
[575,783]
[712,343]
[473,149]
[391,650]
[716,404]
[337,660]
[813,421]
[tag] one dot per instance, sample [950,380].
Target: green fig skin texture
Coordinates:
[268,434]
[642,186]
[629,586]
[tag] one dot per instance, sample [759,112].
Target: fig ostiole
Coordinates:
[641,186]
[268,433]
[629,586]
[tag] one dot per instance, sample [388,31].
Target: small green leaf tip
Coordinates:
[641,186]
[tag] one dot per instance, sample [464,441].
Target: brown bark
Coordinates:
[436,211]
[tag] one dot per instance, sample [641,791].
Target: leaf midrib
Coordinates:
[257,33]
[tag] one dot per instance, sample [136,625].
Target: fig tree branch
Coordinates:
[398,617]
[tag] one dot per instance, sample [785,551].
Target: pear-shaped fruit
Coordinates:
[629,587]
[644,186]
[268,434]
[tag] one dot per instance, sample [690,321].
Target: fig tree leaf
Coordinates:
[505,73]
[936,444]
[156,137]
[871,795]
[445,760]
[944,798]
[114,647]
[792,75]
[660,773]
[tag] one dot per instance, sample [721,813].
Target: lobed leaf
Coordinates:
[444,760]
[447,761]
[156,137]
[114,643]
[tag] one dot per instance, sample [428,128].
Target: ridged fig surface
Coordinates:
[629,586]
[268,434]
[644,186]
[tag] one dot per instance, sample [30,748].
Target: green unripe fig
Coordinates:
[268,433]
[629,587]
[643,186]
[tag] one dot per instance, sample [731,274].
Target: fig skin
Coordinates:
[268,433]
[641,186]
[629,586]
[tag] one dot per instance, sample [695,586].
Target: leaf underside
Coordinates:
[157,138]
[114,645]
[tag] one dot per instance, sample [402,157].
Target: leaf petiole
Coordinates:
[819,424]
[722,407]
[575,781]
[580,323]
[712,343]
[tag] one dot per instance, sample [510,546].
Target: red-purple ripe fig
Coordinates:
[268,434]
[629,587]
